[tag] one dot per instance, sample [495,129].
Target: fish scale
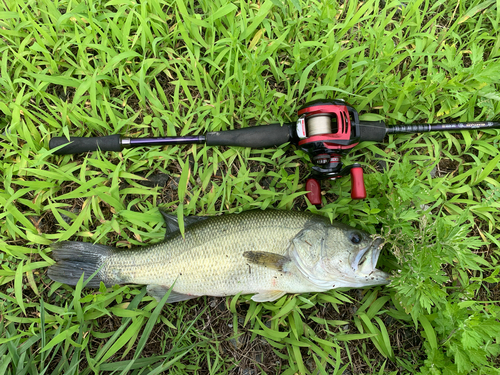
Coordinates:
[267,253]
[202,262]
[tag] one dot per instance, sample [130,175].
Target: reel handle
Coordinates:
[314,191]
[358,190]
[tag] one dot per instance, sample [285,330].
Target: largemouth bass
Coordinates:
[264,253]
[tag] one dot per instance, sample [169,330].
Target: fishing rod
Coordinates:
[325,129]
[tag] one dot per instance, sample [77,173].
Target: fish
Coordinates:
[266,253]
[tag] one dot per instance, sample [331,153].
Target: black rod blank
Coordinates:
[447,127]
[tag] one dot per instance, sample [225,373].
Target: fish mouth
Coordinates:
[365,262]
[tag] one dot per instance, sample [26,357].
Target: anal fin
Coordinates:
[158,291]
[269,295]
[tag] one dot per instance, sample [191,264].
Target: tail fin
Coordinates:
[77,258]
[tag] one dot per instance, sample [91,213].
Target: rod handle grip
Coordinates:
[374,131]
[256,136]
[77,145]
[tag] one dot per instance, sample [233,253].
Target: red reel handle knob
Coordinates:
[314,189]
[358,190]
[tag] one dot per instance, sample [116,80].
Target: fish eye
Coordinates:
[355,237]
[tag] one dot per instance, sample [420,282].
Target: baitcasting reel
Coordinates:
[326,131]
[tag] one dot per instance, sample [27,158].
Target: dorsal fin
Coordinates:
[173,224]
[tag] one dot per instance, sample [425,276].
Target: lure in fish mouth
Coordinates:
[265,253]
[365,262]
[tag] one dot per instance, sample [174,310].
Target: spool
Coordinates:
[319,124]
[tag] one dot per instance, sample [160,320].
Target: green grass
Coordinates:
[156,68]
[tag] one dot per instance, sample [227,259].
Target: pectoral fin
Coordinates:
[267,296]
[266,259]
[158,291]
